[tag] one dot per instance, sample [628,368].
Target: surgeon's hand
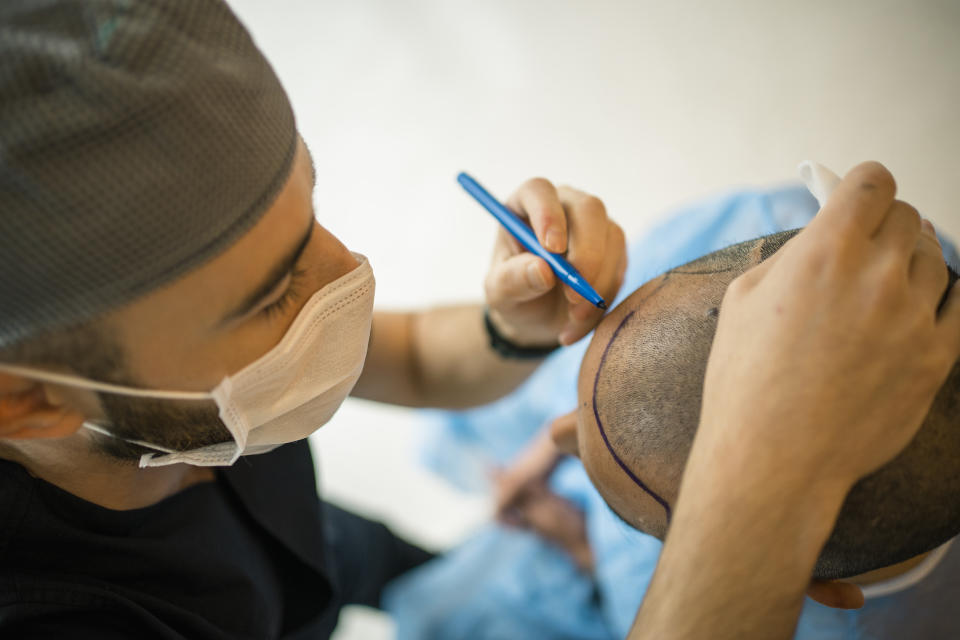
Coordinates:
[527,305]
[826,359]
[828,355]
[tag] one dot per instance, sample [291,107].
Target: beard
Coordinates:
[176,425]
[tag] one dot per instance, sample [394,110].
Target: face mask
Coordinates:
[285,395]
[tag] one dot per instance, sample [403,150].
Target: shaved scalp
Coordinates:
[647,401]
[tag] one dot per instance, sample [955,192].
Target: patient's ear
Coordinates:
[836,594]
[563,431]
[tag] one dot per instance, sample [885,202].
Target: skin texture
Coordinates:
[174,338]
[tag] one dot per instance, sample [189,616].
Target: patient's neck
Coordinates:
[886,573]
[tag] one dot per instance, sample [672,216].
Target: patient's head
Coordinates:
[639,404]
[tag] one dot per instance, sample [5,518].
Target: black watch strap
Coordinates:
[509,350]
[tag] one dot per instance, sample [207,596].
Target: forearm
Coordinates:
[438,357]
[739,554]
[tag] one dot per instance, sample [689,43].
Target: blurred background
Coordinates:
[648,105]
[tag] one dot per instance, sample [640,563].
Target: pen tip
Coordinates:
[602,304]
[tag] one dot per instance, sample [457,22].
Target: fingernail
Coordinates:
[926,224]
[535,276]
[566,338]
[554,241]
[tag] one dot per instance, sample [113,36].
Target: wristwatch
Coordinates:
[509,350]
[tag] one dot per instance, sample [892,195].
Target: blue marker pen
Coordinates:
[525,236]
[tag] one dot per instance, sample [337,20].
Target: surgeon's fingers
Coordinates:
[928,271]
[899,231]
[836,594]
[860,202]
[518,278]
[587,223]
[583,315]
[538,201]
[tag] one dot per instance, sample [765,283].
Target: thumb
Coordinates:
[519,278]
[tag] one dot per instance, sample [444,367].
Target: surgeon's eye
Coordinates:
[281,304]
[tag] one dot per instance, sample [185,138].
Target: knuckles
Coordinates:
[907,212]
[537,184]
[617,237]
[585,204]
[593,206]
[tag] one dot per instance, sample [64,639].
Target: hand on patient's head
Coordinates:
[640,393]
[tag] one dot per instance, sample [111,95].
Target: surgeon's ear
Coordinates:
[563,431]
[26,411]
[836,594]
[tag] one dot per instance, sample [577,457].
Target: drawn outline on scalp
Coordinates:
[596,383]
[603,359]
[596,411]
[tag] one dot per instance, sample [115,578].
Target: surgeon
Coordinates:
[173,314]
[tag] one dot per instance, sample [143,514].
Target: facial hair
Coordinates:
[172,424]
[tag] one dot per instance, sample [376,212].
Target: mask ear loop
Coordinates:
[82,383]
[149,445]
[145,458]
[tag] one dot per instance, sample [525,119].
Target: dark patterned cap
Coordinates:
[138,139]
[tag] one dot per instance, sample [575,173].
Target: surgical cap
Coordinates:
[138,140]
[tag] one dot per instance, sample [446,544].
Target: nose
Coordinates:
[335,261]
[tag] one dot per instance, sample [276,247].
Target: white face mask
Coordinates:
[287,394]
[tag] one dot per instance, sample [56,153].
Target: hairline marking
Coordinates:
[596,411]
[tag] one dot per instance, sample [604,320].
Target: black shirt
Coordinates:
[242,557]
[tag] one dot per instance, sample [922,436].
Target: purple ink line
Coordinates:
[603,433]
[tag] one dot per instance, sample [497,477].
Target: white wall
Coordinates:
[647,104]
